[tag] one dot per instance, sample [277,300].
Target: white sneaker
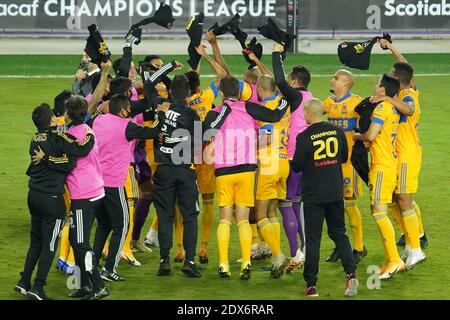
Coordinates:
[406,253]
[351,288]
[297,262]
[151,239]
[417,256]
[266,252]
[279,265]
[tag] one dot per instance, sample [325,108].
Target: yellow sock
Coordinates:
[71,258]
[65,243]
[254,233]
[245,238]
[127,244]
[154,225]
[412,228]
[354,216]
[268,234]
[275,222]
[397,216]
[419,218]
[387,235]
[179,229]
[223,240]
[207,222]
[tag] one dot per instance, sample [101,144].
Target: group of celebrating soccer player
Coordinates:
[114,145]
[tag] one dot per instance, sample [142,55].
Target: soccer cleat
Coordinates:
[190,269]
[351,286]
[22,287]
[140,246]
[296,262]
[424,241]
[68,270]
[406,253]
[311,292]
[392,268]
[279,265]
[334,256]
[130,259]
[401,241]
[80,293]
[110,276]
[179,257]
[60,264]
[266,252]
[164,268]
[151,239]
[358,255]
[224,271]
[246,270]
[203,256]
[256,253]
[414,259]
[97,295]
[36,293]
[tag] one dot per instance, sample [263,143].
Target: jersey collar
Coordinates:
[347,95]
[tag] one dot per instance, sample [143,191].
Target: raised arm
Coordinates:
[211,37]
[387,45]
[262,113]
[100,90]
[262,67]
[218,69]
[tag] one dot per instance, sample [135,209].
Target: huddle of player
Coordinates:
[251,187]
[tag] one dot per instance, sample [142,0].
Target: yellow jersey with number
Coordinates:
[408,146]
[341,112]
[276,133]
[202,102]
[382,149]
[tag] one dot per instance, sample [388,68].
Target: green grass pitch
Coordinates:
[19,95]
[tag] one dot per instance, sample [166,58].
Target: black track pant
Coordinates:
[173,184]
[333,213]
[47,219]
[112,215]
[82,215]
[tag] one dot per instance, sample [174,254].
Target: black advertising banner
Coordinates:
[112,16]
[373,15]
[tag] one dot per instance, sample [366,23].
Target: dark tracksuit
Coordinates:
[176,181]
[320,152]
[45,197]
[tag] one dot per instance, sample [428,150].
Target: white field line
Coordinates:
[213,76]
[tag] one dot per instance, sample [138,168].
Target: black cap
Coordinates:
[218,30]
[273,32]
[96,47]
[195,31]
[163,17]
[253,47]
[356,54]
[228,26]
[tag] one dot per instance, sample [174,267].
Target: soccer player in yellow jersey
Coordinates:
[382,134]
[273,173]
[202,102]
[409,153]
[340,109]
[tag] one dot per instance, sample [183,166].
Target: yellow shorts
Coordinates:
[382,181]
[236,189]
[352,182]
[131,185]
[273,186]
[408,177]
[205,178]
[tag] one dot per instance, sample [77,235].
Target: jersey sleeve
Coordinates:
[326,105]
[380,114]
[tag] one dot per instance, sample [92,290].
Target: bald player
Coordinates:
[340,109]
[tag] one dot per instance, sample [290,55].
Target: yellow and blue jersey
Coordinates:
[202,101]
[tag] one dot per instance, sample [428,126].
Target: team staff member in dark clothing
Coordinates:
[175,179]
[320,151]
[45,196]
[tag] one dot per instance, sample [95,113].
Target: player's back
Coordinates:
[382,148]
[407,145]
[203,101]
